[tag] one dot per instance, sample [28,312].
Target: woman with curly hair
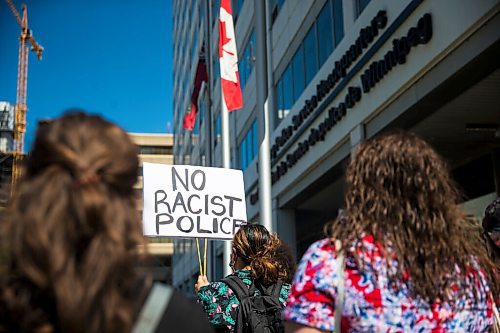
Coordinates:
[409,264]
[259,261]
[69,238]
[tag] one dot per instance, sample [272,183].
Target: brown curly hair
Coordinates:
[399,191]
[69,237]
[258,249]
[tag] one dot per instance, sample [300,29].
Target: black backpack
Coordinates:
[258,312]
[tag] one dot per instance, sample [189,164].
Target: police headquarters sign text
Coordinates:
[191,201]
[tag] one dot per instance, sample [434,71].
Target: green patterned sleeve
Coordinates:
[285,290]
[220,304]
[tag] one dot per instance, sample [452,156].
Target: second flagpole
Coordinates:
[226,163]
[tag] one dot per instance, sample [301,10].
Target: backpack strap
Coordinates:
[241,291]
[153,309]
[276,292]
[273,290]
[237,286]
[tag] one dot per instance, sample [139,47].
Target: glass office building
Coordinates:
[338,71]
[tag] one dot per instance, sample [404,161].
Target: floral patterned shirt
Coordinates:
[221,304]
[370,304]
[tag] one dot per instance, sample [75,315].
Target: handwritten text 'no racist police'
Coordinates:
[190,201]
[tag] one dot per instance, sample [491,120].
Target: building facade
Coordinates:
[338,72]
[6,149]
[155,148]
[6,127]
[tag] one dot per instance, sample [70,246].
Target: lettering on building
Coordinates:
[376,71]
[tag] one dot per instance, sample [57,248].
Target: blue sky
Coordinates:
[111,57]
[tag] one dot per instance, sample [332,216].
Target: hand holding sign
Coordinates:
[191,201]
[202,281]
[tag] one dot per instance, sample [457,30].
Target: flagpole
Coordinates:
[263,107]
[226,163]
[231,95]
[208,118]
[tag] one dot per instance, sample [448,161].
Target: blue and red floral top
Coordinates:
[370,304]
[221,304]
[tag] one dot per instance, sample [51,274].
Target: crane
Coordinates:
[20,110]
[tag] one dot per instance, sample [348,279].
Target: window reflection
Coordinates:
[324,26]
[249,146]
[319,42]
[360,6]
[298,73]
[310,55]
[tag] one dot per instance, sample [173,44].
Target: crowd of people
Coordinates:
[401,259]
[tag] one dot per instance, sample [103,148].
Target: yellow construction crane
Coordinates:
[25,37]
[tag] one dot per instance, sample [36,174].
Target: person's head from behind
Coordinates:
[71,231]
[399,191]
[254,247]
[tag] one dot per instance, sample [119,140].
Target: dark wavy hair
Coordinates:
[285,257]
[69,237]
[399,191]
[258,248]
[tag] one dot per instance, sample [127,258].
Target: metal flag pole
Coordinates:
[263,107]
[230,88]
[226,163]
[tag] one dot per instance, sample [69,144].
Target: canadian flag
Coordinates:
[230,79]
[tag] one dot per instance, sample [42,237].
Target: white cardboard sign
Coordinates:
[191,201]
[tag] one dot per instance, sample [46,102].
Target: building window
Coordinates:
[248,147]
[298,73]
[243,154]
[217,130]
[320,41]
[276,6]
[360,6]
[216,66]
[246,63]
[237,5]
[215,11]
[194,48]
[201,109]
[196,128]
[338,21]
[255,137]
[310,55]
[285,94]
[324,29]
[201,15]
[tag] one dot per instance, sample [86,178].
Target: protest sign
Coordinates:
[191,201]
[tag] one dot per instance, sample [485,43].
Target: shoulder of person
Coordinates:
[320,247]
[245,275]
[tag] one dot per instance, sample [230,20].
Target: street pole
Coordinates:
[226,163]
[263,107]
